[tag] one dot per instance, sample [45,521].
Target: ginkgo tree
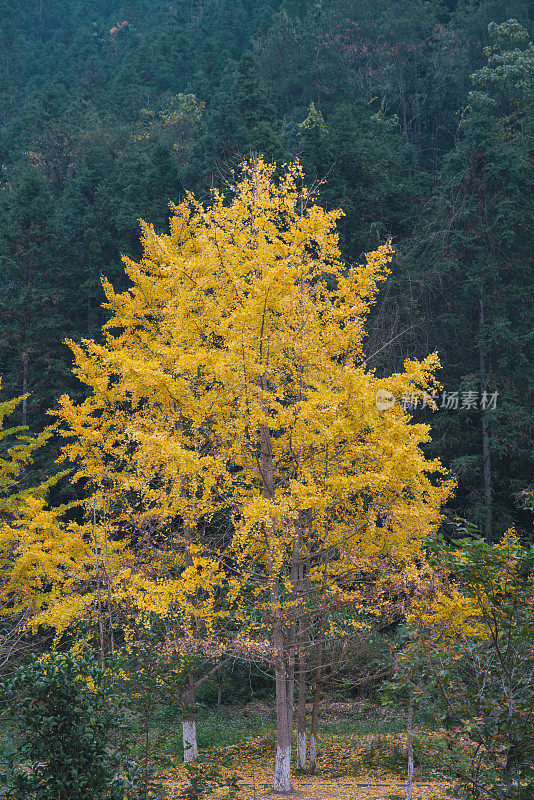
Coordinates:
[232,377]
[57,573]
[43,556]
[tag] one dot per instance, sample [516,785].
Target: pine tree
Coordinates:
[486,262]
[31,297]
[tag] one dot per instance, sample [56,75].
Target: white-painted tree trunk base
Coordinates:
[301,751]
[313,754]
[409,782]
[189,729]
[282,770]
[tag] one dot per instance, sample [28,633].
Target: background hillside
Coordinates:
[109,110]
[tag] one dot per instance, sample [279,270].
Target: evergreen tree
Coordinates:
[31,296]
[484,262]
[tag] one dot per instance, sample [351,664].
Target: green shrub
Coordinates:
[477,679]
[66,727]
[204,780]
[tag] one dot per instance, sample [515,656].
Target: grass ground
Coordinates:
[362,756]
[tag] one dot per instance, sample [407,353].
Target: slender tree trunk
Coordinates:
[89,313]
[146,727]
[315,708]
[284,681]
[404,119]
[486,455]
[25,388]
[98,592]
[302,643]
[301,717]
[409,745]
[219,690]
[282,765]
[486,437]
[108,579]
[189,727]
[292,633]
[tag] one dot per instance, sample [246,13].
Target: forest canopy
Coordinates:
[414,118]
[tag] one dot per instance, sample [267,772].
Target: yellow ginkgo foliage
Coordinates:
[43,558]
[232,380]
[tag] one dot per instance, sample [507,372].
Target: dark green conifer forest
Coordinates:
[416,117]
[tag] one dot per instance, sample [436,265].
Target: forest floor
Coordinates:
[361,756]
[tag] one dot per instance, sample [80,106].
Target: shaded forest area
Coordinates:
[109,110]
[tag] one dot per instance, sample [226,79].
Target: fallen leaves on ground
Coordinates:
[368,767]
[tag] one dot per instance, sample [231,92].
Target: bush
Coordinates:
[203,781]
[470,663]
[67,727]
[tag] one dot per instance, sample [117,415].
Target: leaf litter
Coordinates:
[350,767]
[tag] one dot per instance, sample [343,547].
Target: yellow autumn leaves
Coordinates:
[241,320]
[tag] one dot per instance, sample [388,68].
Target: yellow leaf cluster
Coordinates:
[239,344]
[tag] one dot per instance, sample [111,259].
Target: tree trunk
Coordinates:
[146,727]
[315,709]
[302,645]
[409,745]
[98,593]
[301,719]
[292,633]
[108,580]
[189,727]
[282,764]
[404,119]
[486,455]
[219,690]
[486,451]
[25,389]
[284,681]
